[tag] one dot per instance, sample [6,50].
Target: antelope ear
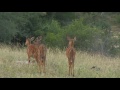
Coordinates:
[75,38]
[68,38]
[40,37]
[36,39]
[32,38]
[26,37]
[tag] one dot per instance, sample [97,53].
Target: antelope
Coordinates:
[41,53]
[70,53]
[37,50]
[31,49]
[42,57]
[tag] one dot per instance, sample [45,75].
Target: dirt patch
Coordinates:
[24,62]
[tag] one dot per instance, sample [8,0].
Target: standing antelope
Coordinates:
[42,56]
[36,50]
[31,49]
[70,53]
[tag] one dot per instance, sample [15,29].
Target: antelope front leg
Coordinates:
[69,68]
[44,67]
[73,65]
[39,68]
[73,68]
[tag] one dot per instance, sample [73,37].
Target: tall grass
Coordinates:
[14,64]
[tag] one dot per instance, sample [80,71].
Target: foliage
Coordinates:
[7,28]
[94,30]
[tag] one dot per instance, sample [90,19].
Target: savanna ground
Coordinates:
[14,64]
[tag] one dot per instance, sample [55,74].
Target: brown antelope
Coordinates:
[41,53]
[31,49]
[37,50]
[70,53]
[42,57]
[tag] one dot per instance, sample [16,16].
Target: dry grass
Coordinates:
[14,64]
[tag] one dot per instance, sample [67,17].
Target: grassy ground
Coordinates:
[14,64]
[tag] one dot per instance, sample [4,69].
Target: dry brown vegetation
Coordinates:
[14,64]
